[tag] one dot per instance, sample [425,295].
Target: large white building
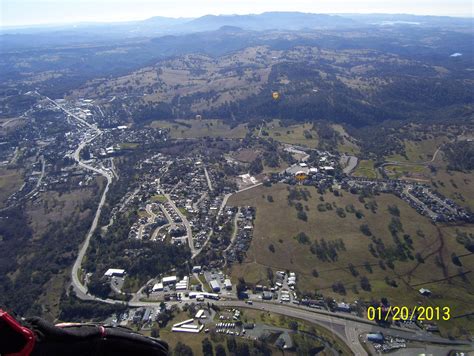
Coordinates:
[169,280]
[114,272]
[215,286]
[158,287]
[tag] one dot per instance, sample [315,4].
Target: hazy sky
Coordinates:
[27,12]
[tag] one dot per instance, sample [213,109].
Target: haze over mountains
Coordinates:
[362,67]
[257,22]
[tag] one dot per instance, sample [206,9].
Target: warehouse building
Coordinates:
[169,280]
[215,286]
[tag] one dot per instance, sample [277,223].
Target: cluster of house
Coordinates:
[419,196]
[143,228]
[194,195]
[116,140]
[321,173]
[44,174]
[243,237]
[83,108]
[176,218]
[202,219]
[432,204]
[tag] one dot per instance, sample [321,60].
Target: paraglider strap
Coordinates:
[102,332]
[21,340]
[41,338]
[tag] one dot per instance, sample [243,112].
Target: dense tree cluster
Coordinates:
[44,262]
[75,310]
[460,155]
[327,251]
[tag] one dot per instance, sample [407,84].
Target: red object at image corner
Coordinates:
[26,333]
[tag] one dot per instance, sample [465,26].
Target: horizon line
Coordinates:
[92,22]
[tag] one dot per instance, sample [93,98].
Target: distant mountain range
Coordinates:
[265,21]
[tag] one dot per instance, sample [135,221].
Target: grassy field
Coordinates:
[159,198]
[293,134]
[246,155]
[408,171]
[194,341]
[283,165]
[419,151]
[129,145]
[200,128]
[142,214]
[348,144]
[458,186]
[10,181]
[277,223]
[365,168]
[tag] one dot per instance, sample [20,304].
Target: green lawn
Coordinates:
[159,198]
[365,168]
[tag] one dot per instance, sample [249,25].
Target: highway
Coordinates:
[71,114]
[77,285]
[346,326]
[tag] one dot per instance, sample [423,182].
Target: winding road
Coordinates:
[77,285]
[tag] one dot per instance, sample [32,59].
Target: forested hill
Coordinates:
[382,69]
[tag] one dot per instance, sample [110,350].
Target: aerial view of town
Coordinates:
[236,189]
